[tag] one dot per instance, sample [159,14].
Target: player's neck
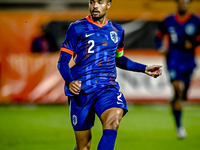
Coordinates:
[182,13]
[182,18]
[101,21]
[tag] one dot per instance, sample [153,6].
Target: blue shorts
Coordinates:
[176,73]
[84,107]
[180,70]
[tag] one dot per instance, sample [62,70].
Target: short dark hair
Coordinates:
[178,0]
[109,0]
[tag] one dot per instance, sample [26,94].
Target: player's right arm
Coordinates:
[162,38]
[67,50]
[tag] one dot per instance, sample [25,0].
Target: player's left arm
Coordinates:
[127,64]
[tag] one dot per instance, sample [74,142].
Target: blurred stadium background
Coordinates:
[33,108]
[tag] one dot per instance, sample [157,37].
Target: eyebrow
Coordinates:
[94,0]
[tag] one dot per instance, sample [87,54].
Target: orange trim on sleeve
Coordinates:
[159,34]
[67,50]
[120,49]
[198,38]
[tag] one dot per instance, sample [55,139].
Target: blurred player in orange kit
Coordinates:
[183,32]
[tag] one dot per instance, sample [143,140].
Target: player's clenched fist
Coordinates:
[75,87]
[153,70]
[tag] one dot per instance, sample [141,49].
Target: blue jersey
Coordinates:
[95,47]
[184,36]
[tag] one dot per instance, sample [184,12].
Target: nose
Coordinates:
[95,5]
[184,4]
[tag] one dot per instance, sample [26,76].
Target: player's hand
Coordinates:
[75,87]
[163,50]
[153,70]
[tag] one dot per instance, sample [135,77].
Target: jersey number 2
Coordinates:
[91,46]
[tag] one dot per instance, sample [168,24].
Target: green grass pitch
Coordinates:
[48,127]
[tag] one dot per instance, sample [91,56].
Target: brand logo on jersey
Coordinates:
[190,29]
[74,120]
[87,35]
[119,100]
[113,36]
[173,34]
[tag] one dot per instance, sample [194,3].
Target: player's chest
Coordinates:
[185,29]
[105,37]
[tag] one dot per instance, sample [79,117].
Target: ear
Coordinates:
[108,5]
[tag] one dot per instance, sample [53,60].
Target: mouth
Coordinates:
[95,12]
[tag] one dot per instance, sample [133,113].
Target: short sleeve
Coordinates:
[162,30]
[70,41]
[120,49]
[198,32]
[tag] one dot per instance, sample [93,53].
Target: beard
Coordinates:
[98,16]
[182,12]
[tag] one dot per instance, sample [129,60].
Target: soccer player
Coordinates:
[97,45]
[182,29]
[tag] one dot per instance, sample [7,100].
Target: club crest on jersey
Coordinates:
[190,29]
[114,36]
[74,120]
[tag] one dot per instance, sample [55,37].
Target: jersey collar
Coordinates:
[180,19]
[96,23]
